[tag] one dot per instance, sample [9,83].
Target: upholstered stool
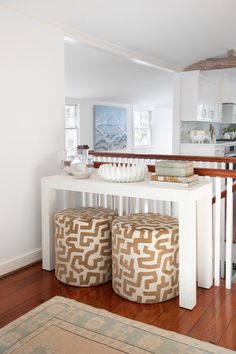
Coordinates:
[83,246]
[145,257]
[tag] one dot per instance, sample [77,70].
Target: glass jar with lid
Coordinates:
[80,161]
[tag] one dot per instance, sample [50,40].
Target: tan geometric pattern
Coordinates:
[145,259]
[83,246]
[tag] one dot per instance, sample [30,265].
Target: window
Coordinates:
[142,128]
[71,128]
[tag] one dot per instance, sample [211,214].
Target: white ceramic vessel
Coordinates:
[122,173]
[199,136]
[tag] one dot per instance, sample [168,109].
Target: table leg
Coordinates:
[187,254]
[48,208]
[204,242]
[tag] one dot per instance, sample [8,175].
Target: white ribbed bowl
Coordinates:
[122,173]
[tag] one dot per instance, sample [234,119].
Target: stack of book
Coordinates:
[175,172]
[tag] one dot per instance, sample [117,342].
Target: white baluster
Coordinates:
[128,205]
[116,203]
[175,211]
[161,207]
[71,199]
[99,200]
[223,185]
[105,201]
[156,206]
[137,209]
[217,230]
[83,199]
[223,226]
[102,200]
[229,232]
[222,239]
[145,205]
[90,199]
[151,205]
[108,201]
[113,202]
[168,208]
[141,205]
[120,210]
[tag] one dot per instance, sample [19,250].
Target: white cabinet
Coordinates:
[200,97]
[202,149]
[229,113]
[228,86]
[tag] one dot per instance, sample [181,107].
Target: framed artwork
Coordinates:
[110,128]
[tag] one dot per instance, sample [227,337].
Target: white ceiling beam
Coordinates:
[121,51]
[102,44]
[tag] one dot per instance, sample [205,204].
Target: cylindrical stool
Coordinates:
[145,257]
[83,246]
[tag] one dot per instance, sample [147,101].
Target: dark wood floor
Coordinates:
[213,319]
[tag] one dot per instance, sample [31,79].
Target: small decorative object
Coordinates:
[229,133]
[81,165]
[174,168]
[199,136]
[110,128]
[212,134]
[180,173]
[122,173]
[81,158]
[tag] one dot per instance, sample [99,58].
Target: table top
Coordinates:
[143,189]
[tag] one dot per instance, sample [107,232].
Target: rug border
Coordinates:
[171,335]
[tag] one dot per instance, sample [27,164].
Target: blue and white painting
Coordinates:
[110,128]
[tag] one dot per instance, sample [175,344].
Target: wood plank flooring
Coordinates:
[212,320]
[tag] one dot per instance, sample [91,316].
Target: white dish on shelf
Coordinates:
[122,173]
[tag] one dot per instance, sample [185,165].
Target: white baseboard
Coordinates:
[20,262]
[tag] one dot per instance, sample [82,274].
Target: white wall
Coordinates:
[31,133]
[162,126]
[162,132]
[176,114]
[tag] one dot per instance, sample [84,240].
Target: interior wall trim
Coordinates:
[20,262]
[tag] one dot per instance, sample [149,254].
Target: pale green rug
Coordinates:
[66,326]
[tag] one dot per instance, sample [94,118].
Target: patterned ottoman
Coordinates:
[145,257]
[83,246]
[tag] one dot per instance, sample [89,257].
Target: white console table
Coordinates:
[195,223]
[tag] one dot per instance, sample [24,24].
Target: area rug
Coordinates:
[65,326]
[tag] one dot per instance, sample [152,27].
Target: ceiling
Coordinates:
[173,33]
[109,34]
